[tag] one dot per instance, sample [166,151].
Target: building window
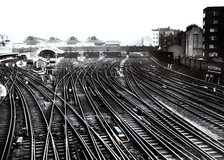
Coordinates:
[211,46]
[195,41]
[215,21]
[213,30]
[203,15]
[213,54]
[203,46]
[213,38]
[215,13]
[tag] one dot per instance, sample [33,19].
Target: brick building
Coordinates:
[213,33]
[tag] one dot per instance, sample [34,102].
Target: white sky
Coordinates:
[105,19]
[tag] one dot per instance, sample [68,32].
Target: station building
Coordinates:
[34,41]
[95,41]
[72,41]
[112,43]
[55,42]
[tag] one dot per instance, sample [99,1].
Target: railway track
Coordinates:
[218,156]
[143,130]
[7,119]
[206,111]
[142,89]
[108,109]
[196,83]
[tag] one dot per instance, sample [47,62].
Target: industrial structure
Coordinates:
[194,41]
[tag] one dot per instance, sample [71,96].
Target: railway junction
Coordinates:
[109,108]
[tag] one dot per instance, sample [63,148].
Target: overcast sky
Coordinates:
[106,19]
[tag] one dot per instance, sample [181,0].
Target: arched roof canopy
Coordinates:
[47,53]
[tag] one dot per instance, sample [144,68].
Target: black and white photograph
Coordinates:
[112,80]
